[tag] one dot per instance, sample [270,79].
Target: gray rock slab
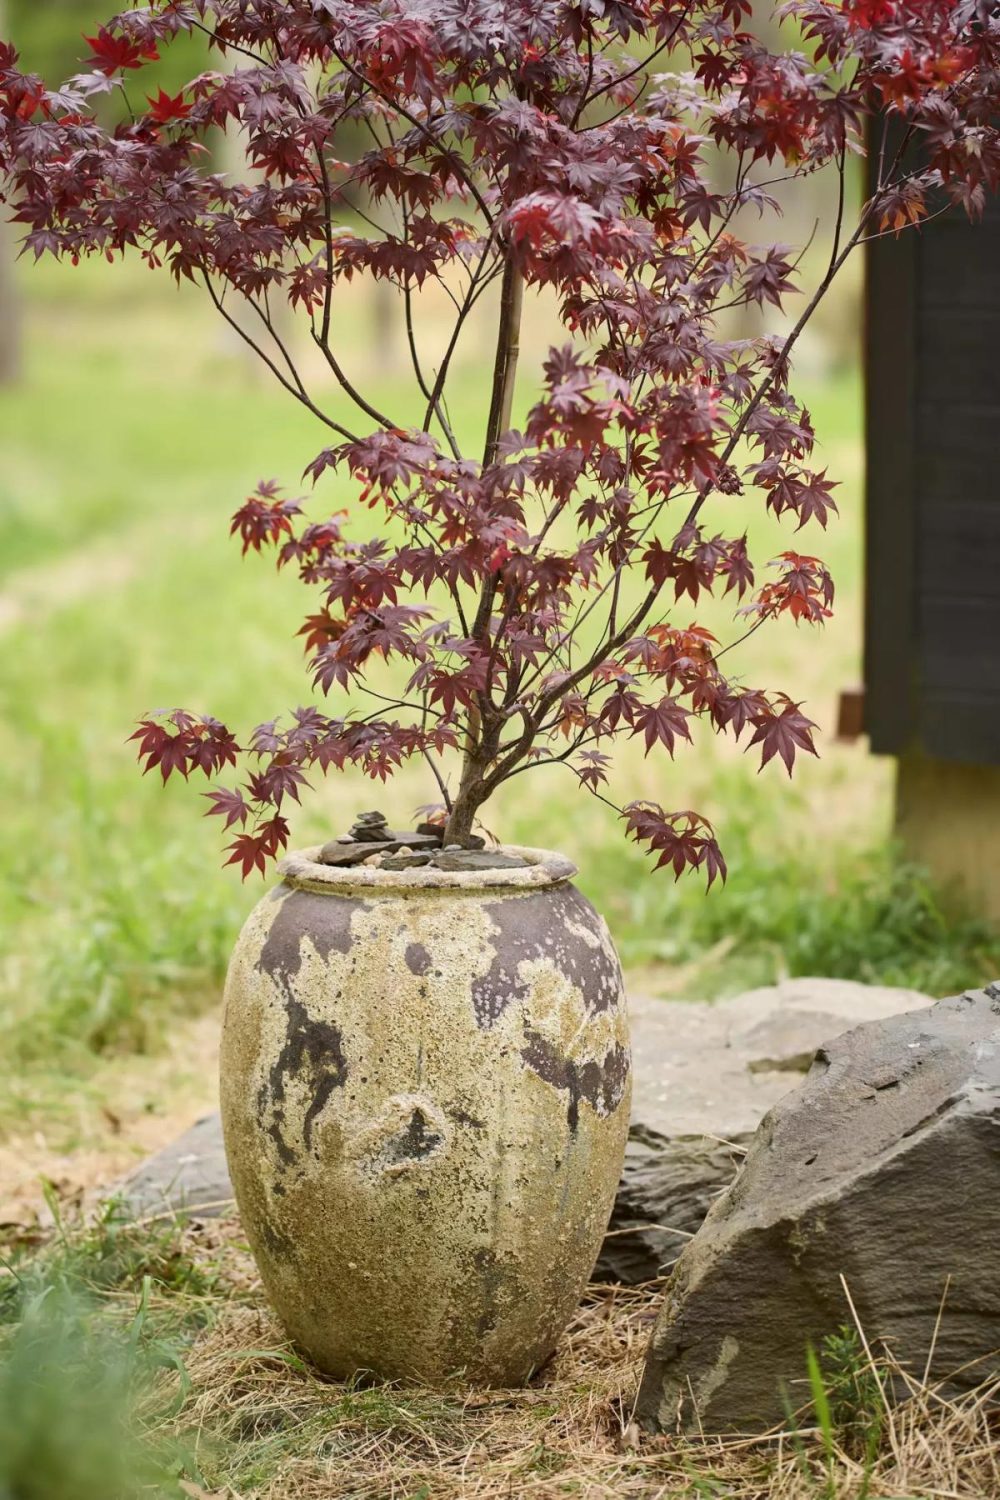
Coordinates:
[878,1176]
[715,1069]
[188,1176]
[667,1188]
[461,860]
[704,1075]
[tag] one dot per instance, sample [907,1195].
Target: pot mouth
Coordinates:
[545,867]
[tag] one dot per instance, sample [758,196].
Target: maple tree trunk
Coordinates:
[468,802]
[508,351]
[471,792]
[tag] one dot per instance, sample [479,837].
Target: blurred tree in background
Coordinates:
[48,34]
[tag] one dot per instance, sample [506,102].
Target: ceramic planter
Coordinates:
[425,1094]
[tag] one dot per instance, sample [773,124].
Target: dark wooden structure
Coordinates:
[932,611]
[932,668]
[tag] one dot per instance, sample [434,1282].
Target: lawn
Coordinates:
[139,426]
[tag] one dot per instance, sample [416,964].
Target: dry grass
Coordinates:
[262,1424]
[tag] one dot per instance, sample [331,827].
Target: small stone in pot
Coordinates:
[405,859]
[432,831]
[436,832]
[371,828]
[461,861]
[336,853]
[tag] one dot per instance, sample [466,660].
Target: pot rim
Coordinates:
[545,867]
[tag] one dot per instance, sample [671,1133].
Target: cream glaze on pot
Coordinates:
[425,1095]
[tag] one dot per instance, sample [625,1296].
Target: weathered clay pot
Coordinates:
[425,1094]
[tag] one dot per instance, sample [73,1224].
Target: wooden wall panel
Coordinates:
[932,623]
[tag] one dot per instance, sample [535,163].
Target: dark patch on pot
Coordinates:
[277,1243]
[539,926]
[601,1084]
[276,1131]
[415,1143]
[324,920]
[312,1053]
[418,960]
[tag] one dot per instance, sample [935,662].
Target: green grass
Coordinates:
[137,430]
[66,1397]
[91,1325]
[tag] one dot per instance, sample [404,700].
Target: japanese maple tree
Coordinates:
[600,148]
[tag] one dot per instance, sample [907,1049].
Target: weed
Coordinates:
[229,1408]
[856,1397]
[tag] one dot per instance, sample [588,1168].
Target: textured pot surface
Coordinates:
[425,1095]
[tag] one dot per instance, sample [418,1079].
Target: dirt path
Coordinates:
[41,590]
[129,1108]
[109,565]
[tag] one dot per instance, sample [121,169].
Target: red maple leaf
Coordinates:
[681,840]
[249,853]
[114,52]
[663,721]
[228,804]
[252,851]
[784,734]
[165,107]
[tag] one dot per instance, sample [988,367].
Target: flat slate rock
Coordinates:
[878,1177]
[667,1188]
[188,1176]
[345,851]
[704,1075]
[715,1069]
[463,861]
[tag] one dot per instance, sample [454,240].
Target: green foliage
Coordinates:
[110,1254]
[855,1394]
[860,914]
[69,1379]
[848,1405]
[49,35]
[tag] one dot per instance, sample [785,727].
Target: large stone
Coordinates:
[879,1178]
[667,1188]
[703,1077]
[188,1176]
[715,1069]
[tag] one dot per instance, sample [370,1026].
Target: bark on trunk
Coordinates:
[467,803]
[478,756]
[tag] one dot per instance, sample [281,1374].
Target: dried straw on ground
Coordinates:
[268,1426]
